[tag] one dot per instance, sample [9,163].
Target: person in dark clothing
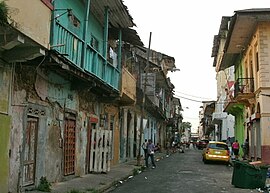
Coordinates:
[245,147]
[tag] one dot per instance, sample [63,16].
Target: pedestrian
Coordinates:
[228,141]
[150,153]
[245,147]
[157,148]
[144,146]
[235,148]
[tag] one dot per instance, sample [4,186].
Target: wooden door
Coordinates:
[69,146]
[30,147]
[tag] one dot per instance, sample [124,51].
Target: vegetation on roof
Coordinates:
[3,13]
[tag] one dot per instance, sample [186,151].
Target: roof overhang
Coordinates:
[241,30]
[119,15]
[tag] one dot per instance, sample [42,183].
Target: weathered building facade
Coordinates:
[69,104]
[247,49]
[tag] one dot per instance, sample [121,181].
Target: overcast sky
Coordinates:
[185,31]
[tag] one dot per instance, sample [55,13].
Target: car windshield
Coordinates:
[218,146]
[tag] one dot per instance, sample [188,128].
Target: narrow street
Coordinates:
[182,172]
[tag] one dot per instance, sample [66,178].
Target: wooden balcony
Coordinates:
[128,88]
[71,46]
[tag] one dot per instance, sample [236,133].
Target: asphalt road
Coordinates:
[182,172]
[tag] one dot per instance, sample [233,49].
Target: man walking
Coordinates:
[150,153]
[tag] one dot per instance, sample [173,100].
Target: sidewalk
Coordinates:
[97,183]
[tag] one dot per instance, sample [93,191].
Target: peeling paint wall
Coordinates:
[4,149]
[113,112]
[48,98]
[5,123]
[34,22]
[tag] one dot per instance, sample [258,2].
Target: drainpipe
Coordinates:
[105,35]
[120,60]
[85,32]
[52,25]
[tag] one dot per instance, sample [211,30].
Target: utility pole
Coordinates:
[143,101]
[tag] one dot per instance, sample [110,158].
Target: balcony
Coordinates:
[217,117]
[128,88]
[243,95]
[70,46]
[244,90]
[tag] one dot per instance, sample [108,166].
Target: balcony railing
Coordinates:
[243,86]
[71,47]
[242,94]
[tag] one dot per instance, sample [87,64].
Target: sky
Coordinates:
[185,30]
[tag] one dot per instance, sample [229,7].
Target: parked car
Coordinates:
[216,151]
[202,143]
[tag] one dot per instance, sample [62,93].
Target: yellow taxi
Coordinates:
[216,151]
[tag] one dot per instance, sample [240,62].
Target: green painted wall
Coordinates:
[4,160]
[240,129]
[5,77]
[239,112]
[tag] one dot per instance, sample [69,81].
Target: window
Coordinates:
[218,146]
[94,43]
[257,62]
[74,20]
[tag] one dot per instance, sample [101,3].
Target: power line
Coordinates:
[193,95]
[189,99]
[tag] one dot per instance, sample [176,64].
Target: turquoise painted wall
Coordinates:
[59,90]
[78,9]
[5,122]
[96,30]
[69,41]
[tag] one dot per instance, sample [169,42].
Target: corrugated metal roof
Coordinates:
[119,18]
[119,15]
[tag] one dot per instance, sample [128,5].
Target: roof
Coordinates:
[128,35]
[119,15]
[217,38]
[119,18]
[242,27]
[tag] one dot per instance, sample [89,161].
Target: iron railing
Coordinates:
[243,86]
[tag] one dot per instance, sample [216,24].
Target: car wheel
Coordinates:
[204,160]
[228,163]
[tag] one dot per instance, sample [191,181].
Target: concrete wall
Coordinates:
[34,23]
[48,97]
